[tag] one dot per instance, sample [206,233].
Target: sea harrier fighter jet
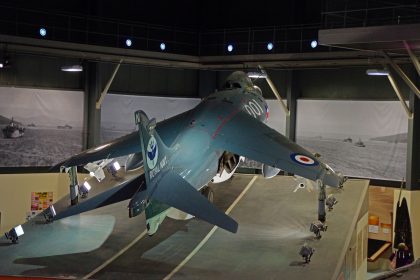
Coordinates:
[181,155]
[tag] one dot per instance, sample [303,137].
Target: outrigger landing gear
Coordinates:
[321,201]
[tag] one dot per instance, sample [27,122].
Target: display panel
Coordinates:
[117,114]
[359,138]
[39,127]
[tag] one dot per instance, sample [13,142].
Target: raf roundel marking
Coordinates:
[303,160]
[152,152]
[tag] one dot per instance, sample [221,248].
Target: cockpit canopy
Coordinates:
[238,79]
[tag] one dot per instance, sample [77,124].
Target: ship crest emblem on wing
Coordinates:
[152,152]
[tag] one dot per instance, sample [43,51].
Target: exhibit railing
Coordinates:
[114,33]
[284,39]
[344,14]
[95,30]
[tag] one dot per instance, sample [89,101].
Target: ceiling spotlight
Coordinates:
[84,189]
[377,72]
[14,233]
[314,44]
[162,46]
[116,165]
[1,65]
[230,48]
[270,46]
[43,32]
[49,214]
[128,42]
[72,68]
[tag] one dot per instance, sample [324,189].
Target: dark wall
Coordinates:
[341,83]
[39,72]
[133,79]
[346,83]
[44,72]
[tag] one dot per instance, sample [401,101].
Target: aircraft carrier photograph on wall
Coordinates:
[360,138]
[50,132]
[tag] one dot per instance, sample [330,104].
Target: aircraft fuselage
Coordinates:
[194,158]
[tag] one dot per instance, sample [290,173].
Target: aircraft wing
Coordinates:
[246,136]
[118,193]
[122,146]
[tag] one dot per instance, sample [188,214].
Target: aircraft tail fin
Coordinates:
[167,187]
[155,152]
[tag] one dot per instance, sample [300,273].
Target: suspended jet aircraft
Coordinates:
[182,154]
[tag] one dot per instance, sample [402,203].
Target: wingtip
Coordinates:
[234,228]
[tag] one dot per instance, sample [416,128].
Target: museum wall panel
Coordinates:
[39,127]
[381,202]
[16,190]
[359,138]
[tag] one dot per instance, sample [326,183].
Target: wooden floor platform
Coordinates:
[273,219]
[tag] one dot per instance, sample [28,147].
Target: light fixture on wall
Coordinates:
[72,68]
[377,72]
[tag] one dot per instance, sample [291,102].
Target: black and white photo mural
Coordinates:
[359,138]
[117,113]
[39,127]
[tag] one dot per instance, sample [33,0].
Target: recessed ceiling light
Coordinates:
[42,32]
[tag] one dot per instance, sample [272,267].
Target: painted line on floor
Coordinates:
[204,241]
[122,251]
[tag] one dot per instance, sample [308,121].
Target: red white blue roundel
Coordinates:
[303,160]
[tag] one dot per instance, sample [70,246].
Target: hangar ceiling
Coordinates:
[196,35]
